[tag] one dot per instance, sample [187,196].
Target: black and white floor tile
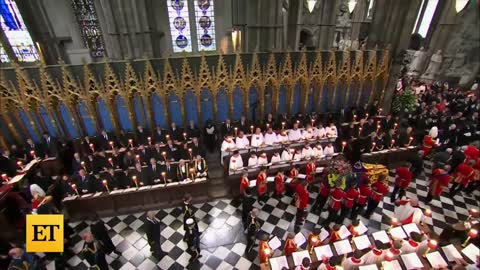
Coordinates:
[223,240]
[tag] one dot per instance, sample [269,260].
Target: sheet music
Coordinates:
[342,247]
[301,176]
[16,178]
[300,239]
[86,195]
[368,267]
[252,183]
[451,253]
[70,198]
[412,227]
[362,242]
[323,251]
[274,243]
[278,263]
[361,228]
[344,232]
[393,265]
[323,234]
[288,180]
[411,261]
[145,187]
[298,257]
[270,179]
[397,233]
[436,260]
[471,251]
[382,236]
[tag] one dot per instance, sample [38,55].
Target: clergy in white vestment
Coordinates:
[276,158]
[252,160]
[236,161]
[241,141]
[257,138]
[328,150]
[263,159]
[287,154]
[282,137]
[307,151]
[318,151]
[227,145]
[408,211]
[294,134]
[270,137]
[331,131]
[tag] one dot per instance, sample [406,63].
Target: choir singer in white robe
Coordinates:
[294,134]
[276,158]
[307,151]
[227,145]
[241,141]
[318,151]
[331,131]
[328,150]
[263,159]
[236,161]
[270,137]
[282,137]
[253,160]
[287,154]
[257,138]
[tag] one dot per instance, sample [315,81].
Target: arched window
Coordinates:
[179,25]
[16,32]
[3,55]
[205,21]
[425,16]
[89,26]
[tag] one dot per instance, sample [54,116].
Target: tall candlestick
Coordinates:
[4,177]
[314,243]
[283,126]
[236,131]
[135,180]
[74,187]
[91,147]
[149,140]
[110,160]
[392,143]
[410,140]
[130,142]
[471,234]
[251,129]
[395,126]
[164,175]
[432,244]
[366,116]
[373,146]
[32,153]
[111,144]
[378,127]
[354,117]
[20,164]
[105,183]
[190,152]
[185,136]
[343,145]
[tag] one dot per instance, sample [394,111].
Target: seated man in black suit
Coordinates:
[7,164]
[173,150]
[227,127]
[76,163]
[170,171]
[158,135]
[100,161]
[111,180]
[50,146]
[32,149]
[193,130]
[140,175]
[84,182]
[197,148]
[176,134]
[144,153]
[142,136]
[104,140]
[154,171]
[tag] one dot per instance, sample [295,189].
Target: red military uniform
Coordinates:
[379,189]
[279,185]
[350,196]
[336,199]
[310,171]
[244,184]
[438,180]
[471,153]
[404,177]
[302,195]
[290,247]
[324,190]
[463,174]
[293,184]
[261,184]
[264,251]
[428,144]
[364,194]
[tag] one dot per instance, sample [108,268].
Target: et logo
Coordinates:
[44,233]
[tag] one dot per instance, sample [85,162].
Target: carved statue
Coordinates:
[355,45]
[418,62]
[434,66]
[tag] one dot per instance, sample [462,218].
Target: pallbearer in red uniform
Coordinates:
[379,189]
[471,153]
[462,176]
[279,184]
[262,185]
[264,250]
[244,183]
[429,141]
[439,179]
[292,186]
[301,202]
[335,204]
[402,181]
[364,193]
[310,171]
[349,199]
[322,198]
[290,245]
[314,240]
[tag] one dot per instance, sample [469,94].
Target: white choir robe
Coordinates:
[226,145]
[307,152]
[320,132]
[294,135]
[324,267]
[331,132]
[371,258]
[282,138]
[318,151]
[241,143]
[307,134]
[235,162]
[286,155]
[406,214]
[263,160]
[350,263]
[297,156]
[256,140]
[420,248]
[328,150]
[276,158]
[270,138]
[252,161]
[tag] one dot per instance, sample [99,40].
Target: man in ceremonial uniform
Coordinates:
[182,170]
[351,196]
[439,179]
[264,250]
[247,205]
[364,194]
[262,185]
[429,141]
[292,186]
[290,245]
[244,183]
[227,145]
[402,181]
[253,226]
[463,174]
[236,161]
[471,153]
[279,184]
[379,189]
[310,171]
[336,197]
[241,141]
[192,237]
[322,198]
[301,204]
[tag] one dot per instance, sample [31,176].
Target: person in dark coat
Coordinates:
[93,253]
[253,226]
[152,229]
[247,206]
[188,211]
[193,130]
[192,236]
[100,233]
[84,183]
[210,136]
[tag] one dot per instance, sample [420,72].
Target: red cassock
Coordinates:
[363,195]
[279,185]
[463,174]
[310,171]
[264,251]
[244,184]
[428,144]
[293,184]
[261,184]
[314,240]
[336,199]
[404,177]
[379,189]
[350,196]
[290,247]
[334,236]
[302,194]
[324,191]
[471,153]
[438,180]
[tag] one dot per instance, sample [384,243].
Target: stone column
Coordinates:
[326,19]
[445,26]
[294,15]
[358,18]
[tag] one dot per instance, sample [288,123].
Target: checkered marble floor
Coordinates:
[223,240]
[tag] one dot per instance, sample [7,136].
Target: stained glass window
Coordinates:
[3,55]
[205,22]
[179,25]
[16,32]
[425,16]
[89,26]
